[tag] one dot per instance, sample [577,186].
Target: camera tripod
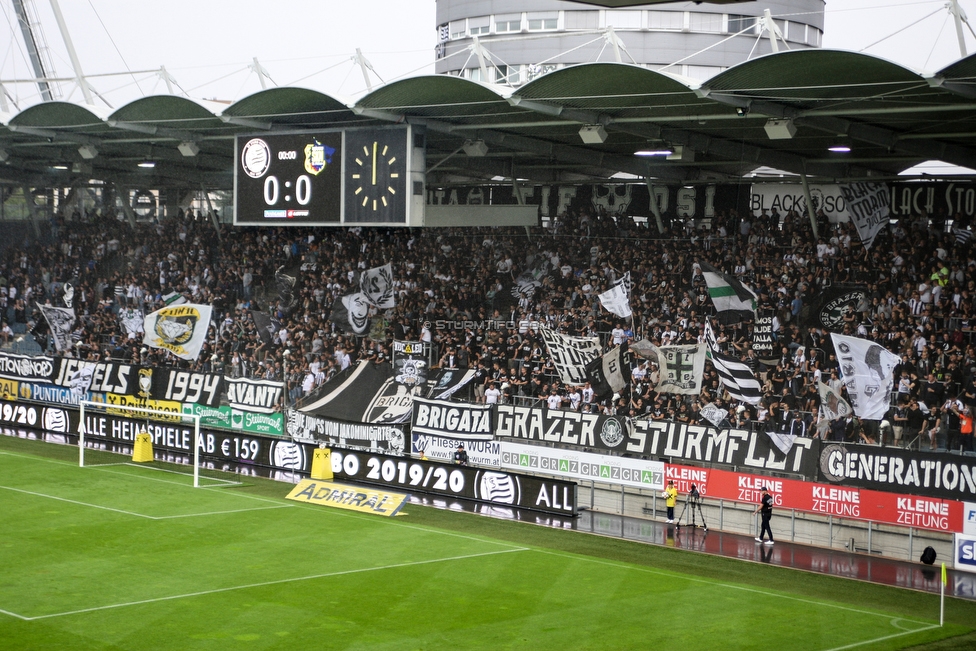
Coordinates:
[693,500]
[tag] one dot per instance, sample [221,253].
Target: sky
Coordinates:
[208,46]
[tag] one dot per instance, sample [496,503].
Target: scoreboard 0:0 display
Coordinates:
[288,179]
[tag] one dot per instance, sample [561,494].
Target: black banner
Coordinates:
[306,427]
[896,470]
[623,199]
[934,198]
[108,377]
[182,386]
[564,427]
[834,303]
[452,419]
[678,442]
[261,396]
[21,367]
[762,338]
[492,486]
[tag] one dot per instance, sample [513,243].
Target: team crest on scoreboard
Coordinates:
[317,156]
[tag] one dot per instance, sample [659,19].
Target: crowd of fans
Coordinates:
[919,276]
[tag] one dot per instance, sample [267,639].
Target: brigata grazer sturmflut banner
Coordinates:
[458,420]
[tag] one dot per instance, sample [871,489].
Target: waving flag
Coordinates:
[868,371]
[59,321]
[180,329]
[733,300]
[376,285]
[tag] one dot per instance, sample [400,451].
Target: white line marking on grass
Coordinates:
[64,499]
[143,515]
[37,458]
[732,586]
[882,639]
[15,615]
[276,582]
[194,515]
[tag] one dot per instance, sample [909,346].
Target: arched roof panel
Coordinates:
[60,115]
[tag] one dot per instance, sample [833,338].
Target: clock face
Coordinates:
[376,176]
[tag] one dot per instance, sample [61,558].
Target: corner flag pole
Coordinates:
[942,597]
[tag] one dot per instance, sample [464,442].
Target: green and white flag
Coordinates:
[733,300]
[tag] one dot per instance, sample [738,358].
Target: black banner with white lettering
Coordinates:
[108,377]
[384,438]
[183,386]
[658,439]
[897,470]
[22,367]
[499,488]
[261,396]
[452,419]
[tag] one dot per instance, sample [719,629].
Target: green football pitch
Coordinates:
[134,557]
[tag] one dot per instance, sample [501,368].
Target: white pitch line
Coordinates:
[15,615]
[143,515]
[193,515]
[64,499]
[276,582]
[882,639]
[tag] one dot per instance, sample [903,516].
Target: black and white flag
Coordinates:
[868,372]
[59,321]
[782,441]
[377,285]
[735,375]
[351,313]
[69,295]
[616,301]
[868,205]
[610,373]
[132,320]
[410,363]
[267,325]
[681,369]
[714,415]
[570,355]
[286,282]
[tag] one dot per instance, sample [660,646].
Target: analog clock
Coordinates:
[375,176]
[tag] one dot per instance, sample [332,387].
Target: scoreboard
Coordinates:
[369,177]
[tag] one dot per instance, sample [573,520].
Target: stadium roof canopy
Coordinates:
[782,111]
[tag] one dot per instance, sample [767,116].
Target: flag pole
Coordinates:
[942,597]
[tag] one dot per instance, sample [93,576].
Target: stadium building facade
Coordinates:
[512,42]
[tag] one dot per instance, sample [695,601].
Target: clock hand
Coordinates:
[374,162]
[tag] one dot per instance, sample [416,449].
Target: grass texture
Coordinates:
[132,557]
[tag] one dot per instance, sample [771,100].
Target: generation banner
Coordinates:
[461,421]
[570,355]
[898,470]
[583,466]
[312,429]
[505,489]
[442,448]
[935,514]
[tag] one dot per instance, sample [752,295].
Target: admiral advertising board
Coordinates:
[492,486]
